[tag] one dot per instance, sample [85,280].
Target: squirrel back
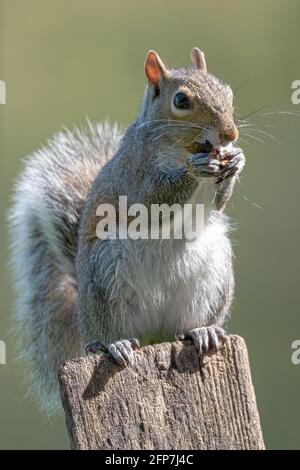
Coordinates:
[47,204]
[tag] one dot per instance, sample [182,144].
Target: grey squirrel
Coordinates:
[75,289]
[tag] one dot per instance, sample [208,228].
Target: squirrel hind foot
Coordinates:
[206,338]
[121,351]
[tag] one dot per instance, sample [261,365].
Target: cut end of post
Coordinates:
[168,399]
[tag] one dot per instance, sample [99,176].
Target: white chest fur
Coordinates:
[173,285]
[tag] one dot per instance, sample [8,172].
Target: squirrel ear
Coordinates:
[155,70]
[198,59]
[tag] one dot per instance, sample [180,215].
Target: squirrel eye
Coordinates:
[181,101]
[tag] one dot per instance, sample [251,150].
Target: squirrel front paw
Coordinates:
[121,351]
[234,165]
[206,338]
[203,165]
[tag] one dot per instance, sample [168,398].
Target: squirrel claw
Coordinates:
[206,338]
[121,351]
[94,347]
[180,336]
[233,167]
[203,165]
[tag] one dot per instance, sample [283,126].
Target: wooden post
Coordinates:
[169,399]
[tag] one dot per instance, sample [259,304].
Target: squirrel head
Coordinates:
[188,104]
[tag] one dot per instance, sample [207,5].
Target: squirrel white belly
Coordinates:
[161,299]
[76,290]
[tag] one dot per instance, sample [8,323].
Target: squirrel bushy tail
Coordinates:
[48,200]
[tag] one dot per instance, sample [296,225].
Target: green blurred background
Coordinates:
[63,60]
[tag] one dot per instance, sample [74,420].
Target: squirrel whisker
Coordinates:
[255,138]
[271,136]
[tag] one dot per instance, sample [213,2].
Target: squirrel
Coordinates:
[77,292]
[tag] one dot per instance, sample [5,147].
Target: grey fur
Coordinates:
[47,205]
[74,289]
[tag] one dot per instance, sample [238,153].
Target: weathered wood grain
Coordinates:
[168,399]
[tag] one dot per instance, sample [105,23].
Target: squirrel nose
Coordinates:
[229,135]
